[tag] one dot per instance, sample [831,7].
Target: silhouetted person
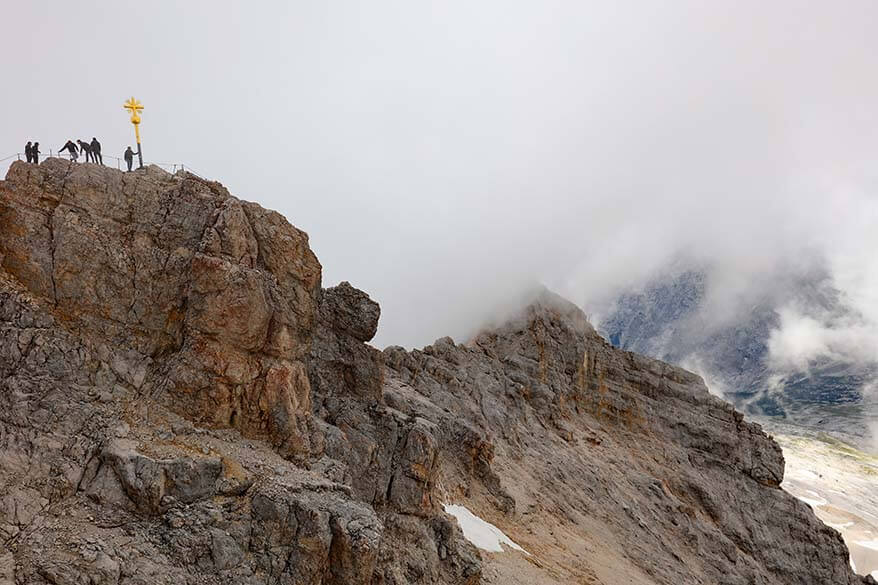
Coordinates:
[28,152]
[129,157]
[71,148]
[84,147]
[96,151]
[35,153]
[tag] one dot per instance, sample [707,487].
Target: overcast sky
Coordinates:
[447,156]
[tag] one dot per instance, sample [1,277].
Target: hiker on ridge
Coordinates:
[96,151]
[35,153]
[71,148]
[84,147]
[28,152]
[129,157]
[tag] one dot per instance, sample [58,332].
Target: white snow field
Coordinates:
[483,534]
[840,483]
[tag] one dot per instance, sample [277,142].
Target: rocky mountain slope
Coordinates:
[181,402]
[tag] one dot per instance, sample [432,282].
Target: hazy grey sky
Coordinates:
[446,156]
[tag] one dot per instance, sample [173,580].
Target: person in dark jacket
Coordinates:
[84,147]
[28,152]
[129,157]
[35,153]
[96,151]
[71,148]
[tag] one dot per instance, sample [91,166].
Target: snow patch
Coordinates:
[838,482]
[815,502]
[805,474]
[483,534]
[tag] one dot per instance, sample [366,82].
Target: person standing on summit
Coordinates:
[129,157]
[96,151]
[71,148]
[85,149]
[35,153]
[28,152]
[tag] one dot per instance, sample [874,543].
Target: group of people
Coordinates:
[92,151]
[32,152]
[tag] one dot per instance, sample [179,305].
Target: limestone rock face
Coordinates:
[172,269]
[576,445]
[159,340]
[181,402]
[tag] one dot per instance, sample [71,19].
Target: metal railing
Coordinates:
[170,167]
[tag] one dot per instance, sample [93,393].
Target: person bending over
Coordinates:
[84,147]
[71,148]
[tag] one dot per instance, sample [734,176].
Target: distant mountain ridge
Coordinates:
[670,318]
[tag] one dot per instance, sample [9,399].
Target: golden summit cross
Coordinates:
[133,106]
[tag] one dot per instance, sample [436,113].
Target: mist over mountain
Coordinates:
[452,155]
[791,345]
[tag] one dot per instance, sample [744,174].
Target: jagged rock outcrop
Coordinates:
[223,290]
[596,445]
[181,401]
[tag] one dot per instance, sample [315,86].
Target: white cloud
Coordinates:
[800,340]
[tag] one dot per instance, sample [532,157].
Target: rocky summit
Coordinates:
[182,402]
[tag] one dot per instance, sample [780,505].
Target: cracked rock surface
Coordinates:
[182,402]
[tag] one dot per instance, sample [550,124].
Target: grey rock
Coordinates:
[224,550]
[147,481]
[7,568]
[350,311]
